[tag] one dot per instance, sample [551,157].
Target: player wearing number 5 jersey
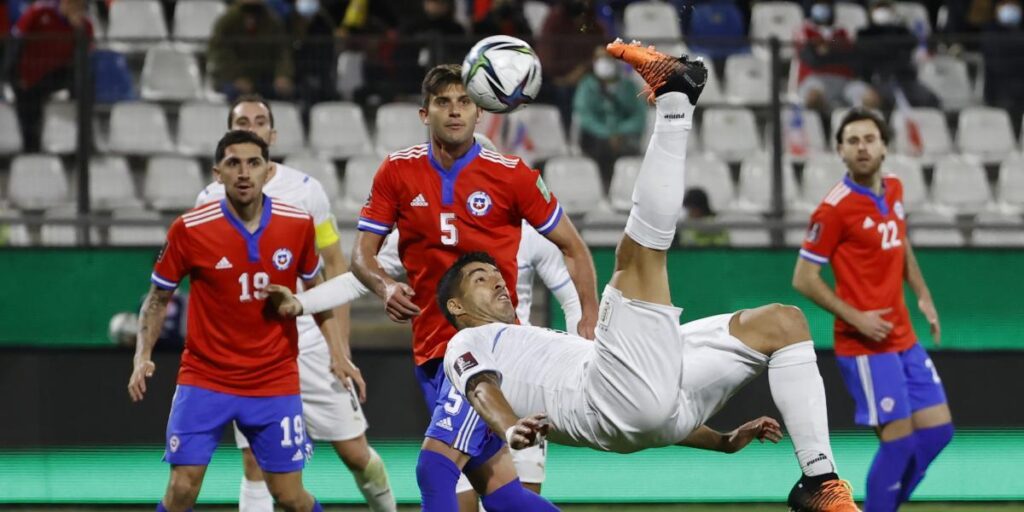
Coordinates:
[860,229]
[239,362]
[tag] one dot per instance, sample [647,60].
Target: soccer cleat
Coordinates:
[662,73]
[826,493]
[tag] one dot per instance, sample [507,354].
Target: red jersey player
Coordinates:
[860,228]
[239,362]
[449,197]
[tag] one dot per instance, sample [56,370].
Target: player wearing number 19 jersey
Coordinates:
[860,229]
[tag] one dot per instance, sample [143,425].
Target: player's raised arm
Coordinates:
[550,266]
[913,275]
[151,321]
[580,265]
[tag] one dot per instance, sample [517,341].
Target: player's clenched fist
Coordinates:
[398,302]
[527,431]
[137,383]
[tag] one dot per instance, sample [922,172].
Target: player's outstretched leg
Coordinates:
[675,84]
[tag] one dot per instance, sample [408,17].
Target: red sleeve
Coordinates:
[172,263]
[823,235]
[381,209]
[25,22]
[309,260]
[534,201]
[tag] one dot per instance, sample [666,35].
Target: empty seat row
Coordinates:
[137,25]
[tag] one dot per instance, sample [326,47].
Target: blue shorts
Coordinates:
[273,425]
[892,386]
[454,421]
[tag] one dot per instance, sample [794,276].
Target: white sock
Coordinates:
[799,393]
[255,497]
[373,483]
[658,192]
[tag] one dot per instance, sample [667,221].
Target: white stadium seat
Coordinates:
[745,236]
[172,183]
[914,15]
[338,130]
[755,187]
[747,80]
[730,133]
[17,234]
[359,172]
[775,19]
[398,127]
[536,13]
[960,184]
[121,235]
[987,233]
[60,127]
[37,182]
[193,22]
[170,75]
[139,128]
[62,234]
[1010,186]
[712,92]
[320,168]
[544,129]
[577,183]
[850,16]
[945,235]
[810,131]
[136,25]
[650,22]
[947,77]
[291,137]
[821,173]
[911,175]
[110,184]
[934,132]
[986,133]
[620,192]
[10,131]
[200,126]
[710,173]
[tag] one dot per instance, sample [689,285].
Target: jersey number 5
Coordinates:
[449,233]
[890,235]
[260,280]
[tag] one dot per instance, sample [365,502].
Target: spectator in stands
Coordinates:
[609,112]
[249,52]
[885,50]
[1002,44]
[39,60]
[699,212]
[312,33]
[419,51]
[506,17]
[565,45]
[825,76]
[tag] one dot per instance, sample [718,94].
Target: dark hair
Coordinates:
[249,98]
[697,198]
[240,137]
[861,114]
[450,282]
[440,78]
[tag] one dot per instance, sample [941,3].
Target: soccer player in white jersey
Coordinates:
[331,386]
[631,389]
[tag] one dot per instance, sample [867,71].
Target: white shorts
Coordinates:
[716,365]
[331,413]
[530,466]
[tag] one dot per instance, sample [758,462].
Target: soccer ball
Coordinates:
[501,74]
[122,328]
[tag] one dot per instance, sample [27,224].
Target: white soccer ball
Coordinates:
[123,328]
[502,74]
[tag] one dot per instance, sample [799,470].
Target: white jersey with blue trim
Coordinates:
[539,256]
[301,190]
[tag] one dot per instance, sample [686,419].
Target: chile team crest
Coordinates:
[479,203]
[282,259]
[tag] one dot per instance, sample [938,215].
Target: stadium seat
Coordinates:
[851,16]
[62,234]
[139,128]
[12,232]
[359,172]
[60,127]
[959,183]
[802,131]
[708,172]
[320,168]
[193,22]
[946,234]
[110,184]
[745,236]
[717,29]
[577,183]
[915,16]
[172,183]
[777,19]
[911,175]
[112,78]
[136,26]
[200,126]
[650,22]
[730,133]
[170,75]
[536,13]
[755,187]
[931,126]
[338,130]
[291,137]
[747,80]
[37,182]
[10,130]
[398,127]
[1010,186]
[620,192]
[987,233]
[121,235]
[794,236]
[544,136]
[947,77]
[712,93]
[986,133]
[821,173]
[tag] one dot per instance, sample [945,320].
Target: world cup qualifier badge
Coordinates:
[479,203]
[282,259]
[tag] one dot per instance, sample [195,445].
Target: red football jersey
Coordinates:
[863,236]
[233,345]
[49,42]
[477,205]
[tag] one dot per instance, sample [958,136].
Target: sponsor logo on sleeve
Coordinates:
[898,208]
[543,188]
[814,233]
[464,363]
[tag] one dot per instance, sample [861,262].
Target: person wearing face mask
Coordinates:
[610,113]
[249,52]
[311,30]
[885,57]
[1002,44]
[825,77]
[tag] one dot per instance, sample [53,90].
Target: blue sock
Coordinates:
[437,476]
[930,441]
[514,497]
[316,506]
[886,474]
[161,508]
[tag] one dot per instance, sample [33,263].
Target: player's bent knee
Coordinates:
[792,322]
[183,488]
[354,453]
